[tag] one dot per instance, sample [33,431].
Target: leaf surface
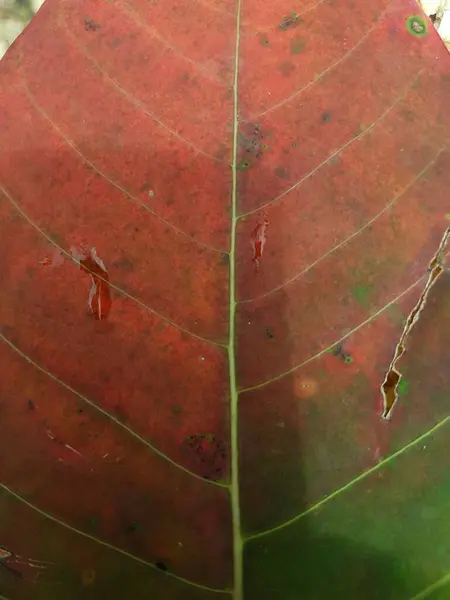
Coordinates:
[220,225]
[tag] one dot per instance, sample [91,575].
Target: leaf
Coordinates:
[258,195]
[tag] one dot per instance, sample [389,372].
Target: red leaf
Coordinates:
[192,403]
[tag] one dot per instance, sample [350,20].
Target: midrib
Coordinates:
[234,489]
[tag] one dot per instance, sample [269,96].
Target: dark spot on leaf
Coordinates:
[282,173]
[176,409]
[89,25]
[132,527]
[290,22]
[269,334]
[408,115]
[339,351]
[31,405]
[243,165]
[80,411]
[298,44]
[159,564]
[169,201]
[208,454]
[251,142]
[264,40]
[286,68]
[121,413]
[326,117]
[124,264]
[294,144]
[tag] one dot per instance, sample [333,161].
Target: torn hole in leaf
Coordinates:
[99,299]
[390,387]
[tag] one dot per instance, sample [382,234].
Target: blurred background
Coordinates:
[16,14]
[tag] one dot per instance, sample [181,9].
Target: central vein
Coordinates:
[234,435]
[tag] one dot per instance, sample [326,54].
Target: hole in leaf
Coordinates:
[390,386]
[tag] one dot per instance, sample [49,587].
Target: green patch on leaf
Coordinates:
[298,44]
[416,25]
[362,294]
[396,314]
[263,40]
[403,386]
[93,523]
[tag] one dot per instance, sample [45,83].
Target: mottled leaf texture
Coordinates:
[225,305]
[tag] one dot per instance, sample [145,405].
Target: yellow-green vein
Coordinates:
[437,585]
[354,481]
[234,433]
